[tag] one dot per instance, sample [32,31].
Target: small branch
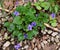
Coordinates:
[55,29]
[9,11]
[4,9]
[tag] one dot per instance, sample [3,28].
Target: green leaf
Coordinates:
[35,32]
[30,35]
[20,37]
[12,26]
[41,0]
[45,5]
[38,7]
[32,10]
[51,1]
[36,4]
[16,33]
[17,20]
[56,8]
[50,9]
[54,24]
[19,27]
[7,24]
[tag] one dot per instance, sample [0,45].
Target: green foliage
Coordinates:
[53,22]
[20,23]
[47,5]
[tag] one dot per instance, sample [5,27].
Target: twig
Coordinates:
[4,9]
[9,11]
[55,29]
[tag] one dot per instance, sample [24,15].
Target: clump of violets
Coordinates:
[17,46]
[31,25]
[25,36]
[16,13]
[53,15]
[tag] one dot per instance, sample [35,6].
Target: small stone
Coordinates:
[39,46]
[58,44]
[44,32]
[6,36]
[50,31]
[3,19]
[0,38]
[0,21]
[12,42]
[56,40]
[0,43]
[45,37]
[0,34]
[54,33]
[7,17]
[30,48]
[58,26]
[35,48]
[59,49]
[34,40]
[42,44]
[32,44]
[52,39]
[58,19]
[6,44]
[12,39]
[22,48]
[25,42]
[48,40]
[57,36]
[20,43]
[0,13]
[2,31]
[10,19]
[26,46]
[45,42]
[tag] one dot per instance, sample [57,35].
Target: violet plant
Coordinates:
[26,20]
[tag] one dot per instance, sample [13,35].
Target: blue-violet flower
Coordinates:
[53,15]
[17,46]
[16,13]
[33,24]
[25,35]
[16,4]
[29,27]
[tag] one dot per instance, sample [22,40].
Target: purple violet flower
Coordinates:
[25,35]
[29,27]
[16,4]
[17,46]
[36,15]
[16,13]
[33,24]
[53,15]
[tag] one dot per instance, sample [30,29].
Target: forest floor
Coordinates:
[48,39]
